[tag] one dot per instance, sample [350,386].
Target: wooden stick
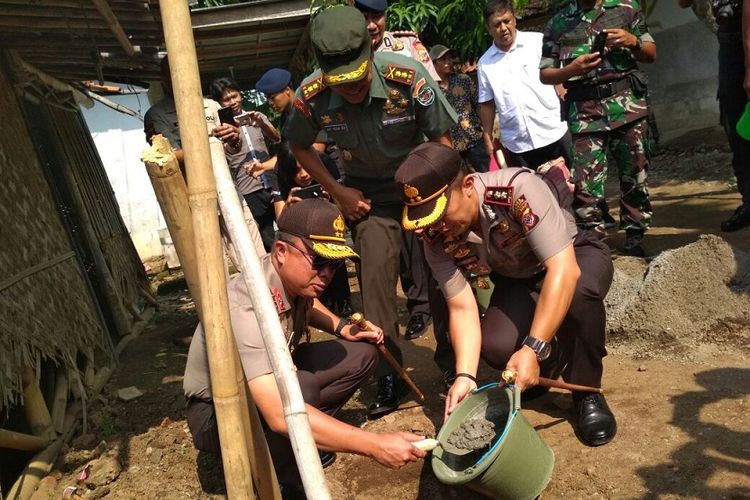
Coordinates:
[359,320]
[509,376]
[23,442]
[60,402]
[220,343]
[34,406]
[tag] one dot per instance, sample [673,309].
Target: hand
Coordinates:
[254,168]
[584,63]
[372,334]
[228,134]
[352,203]
[458,391]
[619,38]
[526,366]
[395,450]
[255,119]
[292,199]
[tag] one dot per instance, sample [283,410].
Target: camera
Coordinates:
[725,10]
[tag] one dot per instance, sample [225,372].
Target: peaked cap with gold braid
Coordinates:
[423,181]
[320,224]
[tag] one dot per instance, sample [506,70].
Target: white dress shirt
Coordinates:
[529,110]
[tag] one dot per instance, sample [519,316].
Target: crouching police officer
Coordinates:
[547,314]
[308,249]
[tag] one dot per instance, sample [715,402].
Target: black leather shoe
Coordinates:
[416,327]
[596,424]
[633,239]
[386,400]
[327,458]
[292,491]
[739,219]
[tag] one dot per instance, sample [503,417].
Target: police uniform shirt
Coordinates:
[404,105]
[293,313]
[244,181]
[408,44]
[522,225]
[161,118]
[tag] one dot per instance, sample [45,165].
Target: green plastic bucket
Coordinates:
[516,464]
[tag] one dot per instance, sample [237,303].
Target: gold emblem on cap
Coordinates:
[412,193]
[339,226]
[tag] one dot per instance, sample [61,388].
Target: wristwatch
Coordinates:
[638,44]
[540,347]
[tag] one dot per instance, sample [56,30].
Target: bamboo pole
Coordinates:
[220,346]
[34,406]
[295,411]
[172,194]
[23,442]
[60,401]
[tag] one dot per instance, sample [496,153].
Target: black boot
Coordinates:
[595,423]
[633,239]
[386,400]
[416,327]
[739,219]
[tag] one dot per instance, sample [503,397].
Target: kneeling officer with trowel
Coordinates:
[546,315]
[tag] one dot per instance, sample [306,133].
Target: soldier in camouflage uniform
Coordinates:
[605,105]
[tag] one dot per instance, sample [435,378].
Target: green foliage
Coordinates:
[110,425]
[412,15]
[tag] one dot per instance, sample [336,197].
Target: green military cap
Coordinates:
[438,51]
[320,225]
[423,181]
[341,44]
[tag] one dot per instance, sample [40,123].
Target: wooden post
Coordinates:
[295,411]
[172,195]
[220,346]
[34,406]
[23,442]
[60,401]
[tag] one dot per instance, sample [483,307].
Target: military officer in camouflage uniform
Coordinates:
[406,43]
[376,107]
[605,105]
[547,313]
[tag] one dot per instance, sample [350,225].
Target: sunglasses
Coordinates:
[317,262]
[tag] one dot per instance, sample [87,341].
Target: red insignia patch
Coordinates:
[300,105]
[524,215]
[277,300]
[499,195]
[399,74]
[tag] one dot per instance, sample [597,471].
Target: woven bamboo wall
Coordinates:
[46,309]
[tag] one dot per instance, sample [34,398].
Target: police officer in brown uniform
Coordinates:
[376,107]
[309,246]
[550,279]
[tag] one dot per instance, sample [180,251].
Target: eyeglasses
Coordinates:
[317,262]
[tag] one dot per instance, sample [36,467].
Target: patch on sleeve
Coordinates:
[418,87]
[524,215]
[300,105]
[426,97]
[422,54]
[399,74]
[499,195]
[313,88]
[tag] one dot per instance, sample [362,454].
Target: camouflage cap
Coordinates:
[341,44]
[320,224]
[423,181]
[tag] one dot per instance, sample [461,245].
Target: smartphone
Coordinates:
[243,119]
[311,191]
[600,40]
[226,115]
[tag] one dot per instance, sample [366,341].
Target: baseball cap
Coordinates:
[320,224]
[341,44]
[274,81]
[423,181]
[438,51]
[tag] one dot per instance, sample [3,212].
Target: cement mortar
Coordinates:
[473,434]
[683,298]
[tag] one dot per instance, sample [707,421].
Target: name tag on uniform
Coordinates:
[336,127]
[400,119]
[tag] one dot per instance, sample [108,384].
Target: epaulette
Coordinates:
[312,88]
[399,74]
[499,195]
[404,33]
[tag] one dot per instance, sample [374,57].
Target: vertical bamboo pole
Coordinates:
[284,371]
[172,195]
[34,406]
[220,345]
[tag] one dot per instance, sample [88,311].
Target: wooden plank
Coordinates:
[22,442]
[114,25]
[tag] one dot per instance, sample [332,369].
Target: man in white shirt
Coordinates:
[529,111]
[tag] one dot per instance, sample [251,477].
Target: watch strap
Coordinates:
[342,323]
[536,345]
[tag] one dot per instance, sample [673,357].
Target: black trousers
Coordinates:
[328,372]
[580,339]
[732,99]
[261,206]
[476,156]
[532,159]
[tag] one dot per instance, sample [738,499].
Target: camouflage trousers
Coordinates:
[628,147]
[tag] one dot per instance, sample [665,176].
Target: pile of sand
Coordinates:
[696,294]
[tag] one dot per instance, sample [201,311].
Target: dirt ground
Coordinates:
[683,414]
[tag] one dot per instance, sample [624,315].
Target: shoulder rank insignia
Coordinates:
[300,105]
[399,74]
[313,88]
[524,215]
[404,33]
[277,300]
[499,195]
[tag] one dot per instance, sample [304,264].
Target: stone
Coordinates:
[156,456]
[103,471]
[642,368]
[129,393]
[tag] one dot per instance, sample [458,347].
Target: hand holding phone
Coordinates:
[226,115]
[311,191]
[599,42]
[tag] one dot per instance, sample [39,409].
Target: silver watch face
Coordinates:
[544,352]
